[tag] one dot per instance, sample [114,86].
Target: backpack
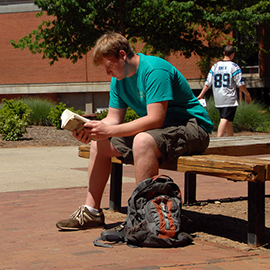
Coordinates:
[153,217]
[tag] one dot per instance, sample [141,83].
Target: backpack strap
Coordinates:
[170,180]
[154,178]
[183,239]
[110,236]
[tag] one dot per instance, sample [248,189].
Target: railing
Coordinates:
[250,69]
[13,2]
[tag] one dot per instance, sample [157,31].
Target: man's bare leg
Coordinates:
[146,154]
[222,127]
[89,215]
[99,170]
[229,129]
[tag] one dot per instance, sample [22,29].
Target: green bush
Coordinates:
[55,114]
[40,109]
[13,119]
[213,112]
[101,115]
[130,115]
[252,117]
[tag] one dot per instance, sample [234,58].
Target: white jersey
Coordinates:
[224,77]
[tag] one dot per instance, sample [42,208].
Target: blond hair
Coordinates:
[110,45]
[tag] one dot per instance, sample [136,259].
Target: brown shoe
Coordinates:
[81,219]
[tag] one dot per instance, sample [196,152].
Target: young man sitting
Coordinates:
[172,122]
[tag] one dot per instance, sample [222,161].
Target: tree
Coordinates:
[163,26]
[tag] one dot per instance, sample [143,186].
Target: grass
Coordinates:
[253,117]
[40,110]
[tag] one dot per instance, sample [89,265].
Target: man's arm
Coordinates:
[156,113]
[114,116]
[204,90]
[110,126]
[243,89]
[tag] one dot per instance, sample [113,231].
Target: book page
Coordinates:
[72,121]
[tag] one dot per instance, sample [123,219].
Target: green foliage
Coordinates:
[253,117]
[204,65]
[13,119]
[164,27]
[13,128]
[130,115]
[55,114]
[101,115]
[40,109]
[212,112]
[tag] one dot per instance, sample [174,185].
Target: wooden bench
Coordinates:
[221,159]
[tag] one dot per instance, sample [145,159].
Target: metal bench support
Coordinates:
[116,187]
[190,188]
[256,215]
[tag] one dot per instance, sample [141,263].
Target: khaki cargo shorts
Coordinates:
[172,141]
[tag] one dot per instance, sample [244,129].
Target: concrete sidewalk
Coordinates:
[39,186]
[37,168]
[41,168]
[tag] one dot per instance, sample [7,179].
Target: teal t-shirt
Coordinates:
[157,80]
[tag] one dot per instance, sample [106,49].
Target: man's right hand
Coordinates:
[82,136]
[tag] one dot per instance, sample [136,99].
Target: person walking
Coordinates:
[224,77]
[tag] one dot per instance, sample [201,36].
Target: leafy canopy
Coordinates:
[164,26]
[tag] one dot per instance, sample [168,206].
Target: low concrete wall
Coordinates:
[88,97]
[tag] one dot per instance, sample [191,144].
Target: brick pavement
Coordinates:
[30,240]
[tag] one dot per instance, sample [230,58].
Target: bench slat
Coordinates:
[84,151]
[239,145]
[233,168]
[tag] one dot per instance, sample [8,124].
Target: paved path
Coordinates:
[39,186]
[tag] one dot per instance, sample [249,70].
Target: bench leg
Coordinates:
[190,188]
[116,187]
[256,214]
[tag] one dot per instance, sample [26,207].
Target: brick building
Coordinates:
[79,85]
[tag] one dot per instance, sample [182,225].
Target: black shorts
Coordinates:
[172,141]
[227,113]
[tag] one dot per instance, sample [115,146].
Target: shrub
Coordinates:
[213,112]
[101,115]
[13,119]
[55,114]
[253,117]
[13,128]
[130,115]
[40,109]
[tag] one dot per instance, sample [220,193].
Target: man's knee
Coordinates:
[103,148]
[143,143]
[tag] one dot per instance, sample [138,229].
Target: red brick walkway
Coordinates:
[30,240]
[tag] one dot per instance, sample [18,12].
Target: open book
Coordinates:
[72,121]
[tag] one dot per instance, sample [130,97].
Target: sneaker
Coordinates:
[81,219]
